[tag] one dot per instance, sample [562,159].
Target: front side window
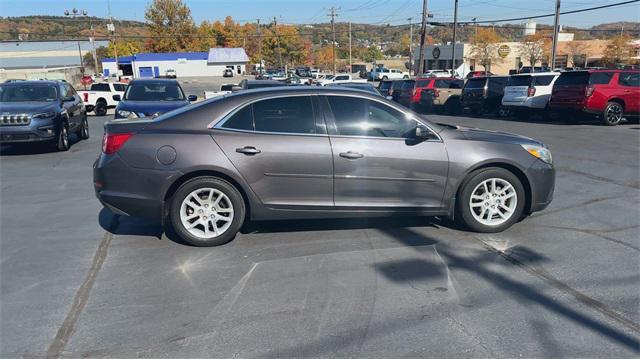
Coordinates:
[70,91]
[630,79]
[360,117]
[285,115]
[119,87]
[100,87]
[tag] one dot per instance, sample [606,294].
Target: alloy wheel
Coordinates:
[206,213]
[614,113]
[493,201]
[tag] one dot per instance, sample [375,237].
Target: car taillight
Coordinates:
[531,91]
[112,142]
[589,91]
[86,97]
[414,92]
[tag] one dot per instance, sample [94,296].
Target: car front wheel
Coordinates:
[612,114]
[62,140]
[207,211]
[491,200]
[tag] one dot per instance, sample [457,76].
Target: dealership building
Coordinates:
[185,64]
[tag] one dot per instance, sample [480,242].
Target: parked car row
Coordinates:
[609,95]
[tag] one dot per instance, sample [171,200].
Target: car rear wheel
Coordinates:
[612,114]
[207,211]
[84,129]
[101,108]
[491,200]
[385,78]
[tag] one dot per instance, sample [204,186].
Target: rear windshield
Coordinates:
[154,92]
[406,85]
[28,92]
[573,78]
[543,80]
[396,84]
[385,85]
[422,83]
[519,81]
[477,83]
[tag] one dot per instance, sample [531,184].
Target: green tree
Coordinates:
[170,25]
[371,54]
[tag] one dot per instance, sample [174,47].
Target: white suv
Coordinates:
[525,93]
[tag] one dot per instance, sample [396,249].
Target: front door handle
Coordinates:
[351,155]
[248,150]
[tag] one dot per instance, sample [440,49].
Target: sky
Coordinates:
[359,11]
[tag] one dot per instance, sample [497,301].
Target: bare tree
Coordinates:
[485,48]
[577,52]
[535,48]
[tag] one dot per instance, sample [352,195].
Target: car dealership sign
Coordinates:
[504,51]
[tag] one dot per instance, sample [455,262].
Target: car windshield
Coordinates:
[154,92]
[519,81]
[17,92]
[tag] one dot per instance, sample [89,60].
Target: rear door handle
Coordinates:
[248,150]
[351,155]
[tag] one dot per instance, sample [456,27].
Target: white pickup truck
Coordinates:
[99,97]
[338,79]
[388,74]
[225,89]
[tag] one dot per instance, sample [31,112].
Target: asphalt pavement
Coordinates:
[77,281]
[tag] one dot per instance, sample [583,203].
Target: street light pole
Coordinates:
[410,46]
[556,29]
[350,60]
[333,30]
[453,43]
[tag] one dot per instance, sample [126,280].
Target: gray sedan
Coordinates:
[307,152]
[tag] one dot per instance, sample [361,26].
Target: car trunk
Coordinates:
[474,90]
[517,89]
[570,87]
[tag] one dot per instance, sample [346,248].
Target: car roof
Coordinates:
[537,74]
[263,82]
[158,81]
[34,82]
[300,90]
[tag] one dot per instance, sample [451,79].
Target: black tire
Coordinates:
[405,77]
[463,201]
[452,106]
[207,182]
[385,78]
[612,114]
[101,108]
[83,133]
[62,138]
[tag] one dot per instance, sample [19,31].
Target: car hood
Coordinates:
[27,107]
[478,134]
[150,106]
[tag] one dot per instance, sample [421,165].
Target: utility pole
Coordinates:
[423,32]
[112,29]
[350,62]
[556,28]
[410,46]
[259,46]
[275,30]
[333,30]
[453,43]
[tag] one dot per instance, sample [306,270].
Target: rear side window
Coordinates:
[119,87]
[422,83]
[519,81]
[342,77]
[285,115]
[573,78]
[630,79]
[442,84]
[476,83]
[457,84]
[543,80]
[241,120]
[100,87]
[497,83]
[600,78]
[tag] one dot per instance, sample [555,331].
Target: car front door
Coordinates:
[281,148]
[73,107]
[630,86]
[377,163]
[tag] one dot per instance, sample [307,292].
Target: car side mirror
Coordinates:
[192,98]
[236,88]
[422,133]
[116,97]
[69,99]
[389,97]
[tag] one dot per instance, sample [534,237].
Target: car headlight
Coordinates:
[540,152]
[47,114]
[126,114]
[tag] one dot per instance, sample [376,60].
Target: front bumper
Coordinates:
[542,177]
[36,131]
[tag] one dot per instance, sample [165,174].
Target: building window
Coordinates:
[561,61]
[579,60]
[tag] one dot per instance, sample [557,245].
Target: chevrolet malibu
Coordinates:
[301,152]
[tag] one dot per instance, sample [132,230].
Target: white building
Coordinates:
[185,64]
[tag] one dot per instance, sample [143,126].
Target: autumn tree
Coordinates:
[535,48]
[323,57]
[485,48]
[576,51]
[170,25]
[283,42]
[618,51]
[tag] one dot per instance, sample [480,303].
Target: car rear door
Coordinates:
[629,83]
[376,163]
[281,148]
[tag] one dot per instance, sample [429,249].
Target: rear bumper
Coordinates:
[542,177]
[130,191]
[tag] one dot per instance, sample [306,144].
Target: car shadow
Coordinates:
[34,148]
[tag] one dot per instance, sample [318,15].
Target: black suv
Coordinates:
[483,95]
[41,111]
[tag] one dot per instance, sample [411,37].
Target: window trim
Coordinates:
[318,118]
[331,124]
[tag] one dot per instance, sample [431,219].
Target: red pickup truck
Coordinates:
[609,94]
